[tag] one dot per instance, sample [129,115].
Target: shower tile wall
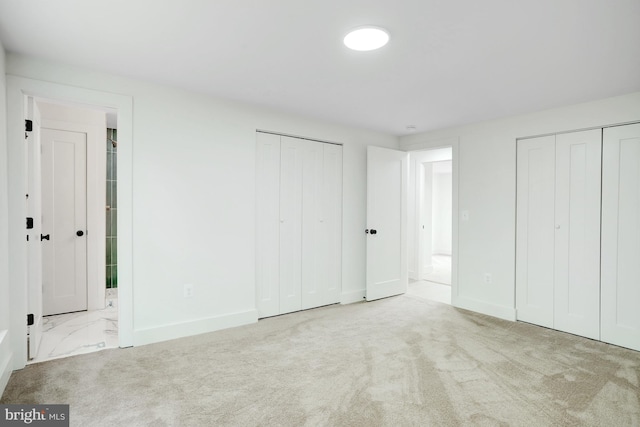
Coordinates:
[112,209]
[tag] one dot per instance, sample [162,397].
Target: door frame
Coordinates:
[454,143]
[418,160]
[18,89]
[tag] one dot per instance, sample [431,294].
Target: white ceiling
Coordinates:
[448,62]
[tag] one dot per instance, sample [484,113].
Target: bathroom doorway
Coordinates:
[72,265]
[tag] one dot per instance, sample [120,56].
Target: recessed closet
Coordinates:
[578,233]
[299,224]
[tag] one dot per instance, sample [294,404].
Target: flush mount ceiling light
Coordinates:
[366,38]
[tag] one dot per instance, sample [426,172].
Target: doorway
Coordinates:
[430,224]
[71,314]
[19,90]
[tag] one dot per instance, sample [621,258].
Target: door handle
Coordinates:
[79,233]
[372,231]
[44,237]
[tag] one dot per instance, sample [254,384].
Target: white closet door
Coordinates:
[621,236]
[331,217]
[292,153]
[267,224]
[577,233]
[535,230]
[321,224]
[313,271]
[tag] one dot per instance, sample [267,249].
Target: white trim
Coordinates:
[352,297]
[7,363]
[96,214]
[499,311]
[17,89]
[194,327]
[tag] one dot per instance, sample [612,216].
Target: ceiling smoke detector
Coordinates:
[366,38]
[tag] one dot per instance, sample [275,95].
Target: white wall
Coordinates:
[194,199]
[487,190]
[5,348]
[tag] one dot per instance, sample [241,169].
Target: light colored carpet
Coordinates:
[398,361]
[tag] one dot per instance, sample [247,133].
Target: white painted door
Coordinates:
[535,238]
[577,233]
[34,211]
[331,219]
[299,224]
[267,224]
[291,163]
[64,219]
[321,223]
[621,236]
[313,271]
[387,182]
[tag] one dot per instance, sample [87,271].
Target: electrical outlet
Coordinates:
[188,290]
[488,278]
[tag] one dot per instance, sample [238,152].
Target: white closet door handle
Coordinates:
[557,227]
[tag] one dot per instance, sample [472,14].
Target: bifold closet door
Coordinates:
[621,236]
[292,157]
[321,223]
[535,230]
[577,233]
[558,232]
[298,224]
[267,224]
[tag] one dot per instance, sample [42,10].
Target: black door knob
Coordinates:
[44,237]
[373,231]
[79,233]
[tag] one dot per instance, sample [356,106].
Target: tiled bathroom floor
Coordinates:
[78,333]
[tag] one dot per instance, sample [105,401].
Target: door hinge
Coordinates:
[28,127]
[29,223]
[29,319]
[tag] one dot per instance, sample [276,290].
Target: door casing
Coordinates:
[18,88]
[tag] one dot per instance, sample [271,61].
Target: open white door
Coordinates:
[64,221]
[34,248]
[387,185]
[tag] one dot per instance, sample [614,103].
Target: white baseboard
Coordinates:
[351,297]
[193,327]
[6,361]
[499,311]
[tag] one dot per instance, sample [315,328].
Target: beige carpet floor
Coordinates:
[395,362]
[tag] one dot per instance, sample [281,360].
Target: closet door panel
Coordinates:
[291,164]
[313,271]
[577,234]
[267,224]
[332,222]
[535,230]
[621,236]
